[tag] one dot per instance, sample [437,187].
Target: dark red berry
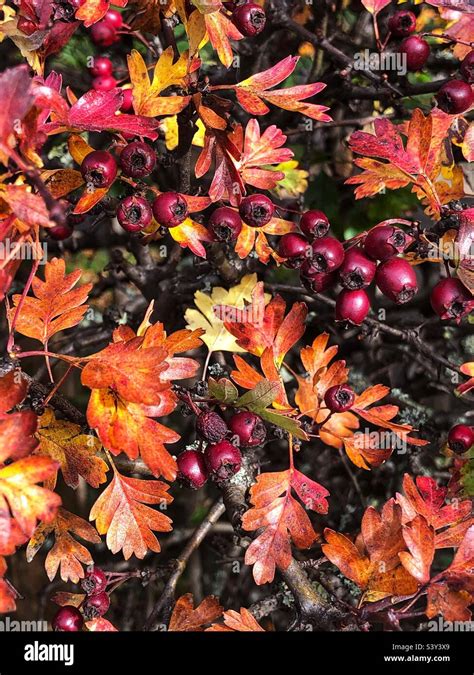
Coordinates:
[104,83]
[455,97]
[339,398]
[127,103]
[314,224]
[192,470]
[249,19]
[137,160]
[461,438]
[396,278]
[211,427]
[225,224]
[249,428]
[295,248]
[101,66]
[170,209]
[99,169]
[450,299]
[352,306]
[328,254]
[114,18]
[68,619]
[416,50]
[94,582]
[256,210]
[357,270]
[316,282]
[402,23]
[466,69]
[96,605]
[223,460]
[134,213]
[103,34]
[60,232]
[385,241]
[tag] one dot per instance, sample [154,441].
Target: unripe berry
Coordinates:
[385,241]
[352,306]
[225,224]
[114,18]
[316,282]
[328,254]
[104,83]
[134,213]
[223,460]
[417,52]
[127,103]
[450,299]
[99,169]
[192,470]
[256,210]
[249,19]
[60,232]
[455,97]
[211,427]
[94,581]
[339,398]
[68,619]
[357,270]
[396,278]
[96,605]
[314,224]
[101,66]
[137,159]
[402,23]
[103,34]
[295,248]
[461,438]
[466,69]
[170,209]
[249,428]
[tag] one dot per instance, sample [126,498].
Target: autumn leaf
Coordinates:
[220,31]
[187,618]
[75,452]
[122,513]
[419,538]
[100,625]
[17,434]
[452,604]
[16,100]
[91,11]
[66,553]
[13,389]
[241,622]
[190,234]
[7,594]
[375,6]
[27,206]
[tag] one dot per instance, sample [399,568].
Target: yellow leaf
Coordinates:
[295,181]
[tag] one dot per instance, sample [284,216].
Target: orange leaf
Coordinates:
[242,622]
[89,199]
[92,11]
[220,29]
[190,234]
[60,182]
[453,605]
[186,618]
[419,538]
[7,595]
[100,625]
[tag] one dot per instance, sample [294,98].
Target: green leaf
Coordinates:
[288,423]
[223,390]
[260,397]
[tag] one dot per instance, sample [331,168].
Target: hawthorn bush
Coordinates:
[237,275]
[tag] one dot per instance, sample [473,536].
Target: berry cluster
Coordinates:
[105,33]
[221,458]
[95,604]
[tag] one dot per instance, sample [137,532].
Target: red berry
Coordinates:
[402,23]
[249,428]
[357,270]
[101,66]
[104,83]
[60,232]
[455,97]
[316,282]
[461,438]
[68,619]
[137,160]
[249,19]
[416,50]
[134,213]
[223,460]
[96,605]
[94,582]
[211,427]
[339,398]
[256,210]
[114,18]
[328,254]
[103,34]
[225,224]
[466,69]
[295,248]
[450,299]
[192,469]
[170,209]
[396,278]
[99,169]
[385,241]
[352,306]
[127,103]
[314,224]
